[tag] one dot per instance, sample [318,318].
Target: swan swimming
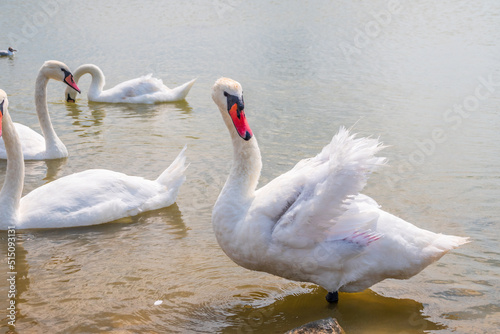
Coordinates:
[311,224]
[7,53]
[145,89]
[48,146]
[90,197]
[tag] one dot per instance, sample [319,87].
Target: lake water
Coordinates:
[424,77]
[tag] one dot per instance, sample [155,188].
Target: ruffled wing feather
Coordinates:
[322,205]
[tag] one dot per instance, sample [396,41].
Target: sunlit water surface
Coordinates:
[397,71]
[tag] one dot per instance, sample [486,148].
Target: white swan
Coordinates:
[48,146]
[145,89]
[7,53]
[311,224]
[91,197]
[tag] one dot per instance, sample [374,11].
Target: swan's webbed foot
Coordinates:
[332,297]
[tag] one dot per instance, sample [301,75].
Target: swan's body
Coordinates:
[48,146]
[7,53]
[311,224]
[145,89]
[91,197]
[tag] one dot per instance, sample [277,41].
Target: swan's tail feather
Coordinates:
[447,242]
[182,91]
[174,176]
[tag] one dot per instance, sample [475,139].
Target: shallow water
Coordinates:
[424,77]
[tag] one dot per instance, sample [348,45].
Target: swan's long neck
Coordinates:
[52,141]
[98,81]
[245,171]
[12,189]
[236,197]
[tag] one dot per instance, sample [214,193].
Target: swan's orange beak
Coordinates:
[68,80]
[236,111]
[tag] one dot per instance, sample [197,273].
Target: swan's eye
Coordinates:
[226,94]
[66,73]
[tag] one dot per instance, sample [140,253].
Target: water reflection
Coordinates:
[54,169]
[170,215]
[365,312]
[110,265]
[82,120]
[37,172]
[100,109]
[182,106]
[22,280]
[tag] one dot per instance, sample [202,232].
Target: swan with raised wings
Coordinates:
[145,89]
[48,146]
[91,197]
[311,224]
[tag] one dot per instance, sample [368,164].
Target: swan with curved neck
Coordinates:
[91,197]
[48,146]
[145,89]
[311,224]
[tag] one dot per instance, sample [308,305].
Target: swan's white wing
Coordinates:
[91,197]
[145,89]
[164,95]
[143,85]
[32,143]
[133,88]
[315,201]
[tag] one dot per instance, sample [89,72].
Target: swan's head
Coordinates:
[4,104]
[12,50]
[57,70]
[228,95]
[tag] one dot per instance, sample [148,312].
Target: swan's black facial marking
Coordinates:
[235,108]
[66,72]
[232,100]
[68,80]
[1,116]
